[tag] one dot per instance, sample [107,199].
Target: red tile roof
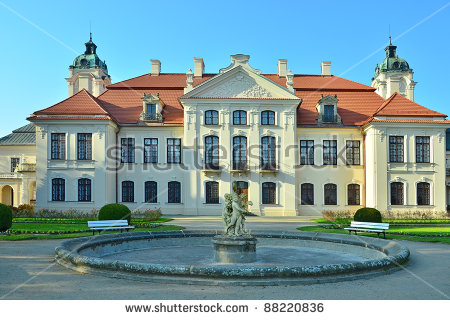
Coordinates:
[122,101]
[411,121]
[80,103]
[397,105]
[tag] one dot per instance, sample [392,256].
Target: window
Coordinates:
[423,194]
[239,117]
[58,147]
[174,195]
[268,160]
[395,149]
[151,192]
[212,152]
[151,150]
[396,193]
[211,117]
[84,146]
[353,194]
[150,108]
[330,152]
[58,189]
[422,149]
[127,150]
[267,118]
[307,190]
[127,191]
[447,137]
[307,152]
[212,192]
[173,150]
[353,152]
[330,192]
[14,163]
[240,153]
[269,193]
[84,189]
[328,115]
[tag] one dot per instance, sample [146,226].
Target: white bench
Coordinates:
[109,225]
[377,228]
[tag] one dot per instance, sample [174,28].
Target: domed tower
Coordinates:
[393,74]
[88,72]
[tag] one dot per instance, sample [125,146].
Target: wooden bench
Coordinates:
[109,225]
[377,228]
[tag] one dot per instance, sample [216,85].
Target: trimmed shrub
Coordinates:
[5,217]
[152,215]
[114,211]
[367,215]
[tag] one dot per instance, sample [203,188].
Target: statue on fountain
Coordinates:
[234,212]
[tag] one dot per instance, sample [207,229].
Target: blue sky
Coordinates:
[40,39]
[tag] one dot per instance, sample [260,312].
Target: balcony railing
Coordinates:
[330,119]
[151,117]
[240,166]
[268,166]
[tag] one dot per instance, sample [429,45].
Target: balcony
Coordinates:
[239,166]
[26,167]
[151,117]
[211,168]
[268,167]
[330,119]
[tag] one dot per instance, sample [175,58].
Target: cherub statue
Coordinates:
[233,214]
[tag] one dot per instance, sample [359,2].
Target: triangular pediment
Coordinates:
[239,83]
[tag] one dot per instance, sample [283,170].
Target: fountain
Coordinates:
[231,258]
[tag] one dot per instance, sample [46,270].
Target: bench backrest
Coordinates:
[368,225]
[108,223]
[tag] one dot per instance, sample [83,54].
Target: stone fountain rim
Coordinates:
[68,255]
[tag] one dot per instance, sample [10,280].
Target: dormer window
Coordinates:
[327,110]
[152,108]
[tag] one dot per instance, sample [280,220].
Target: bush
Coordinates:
[152,215]
[5,217]
[14,209]
[27,207]
[367,215]
[330,215]
[114,211]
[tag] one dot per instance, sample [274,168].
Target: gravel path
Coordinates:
[28,271]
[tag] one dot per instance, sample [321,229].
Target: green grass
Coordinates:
[390,221]
[83,220]
[415,230]
[15,237]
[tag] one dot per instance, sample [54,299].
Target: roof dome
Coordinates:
[392,62]
[89,59]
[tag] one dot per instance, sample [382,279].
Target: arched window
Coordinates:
[212,152]
[353,194]
[174,192]
[84,189]
[212,192]
[267,118]
[239,117]
[330,193]
[211,117]
[423,194]
[268,160]
[58,189]
[240,153]
[269,192]
[151,191]
[127,191]
[307,193]
[396,193]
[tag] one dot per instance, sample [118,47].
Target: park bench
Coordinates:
[109,225]
[377,228]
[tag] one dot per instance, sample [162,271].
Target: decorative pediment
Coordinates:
[239,80]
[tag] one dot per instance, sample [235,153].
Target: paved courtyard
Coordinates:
[28,271]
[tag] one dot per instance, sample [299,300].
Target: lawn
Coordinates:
[391,221]
[50,228]
[415,233]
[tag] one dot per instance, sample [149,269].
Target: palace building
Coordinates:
[295,144]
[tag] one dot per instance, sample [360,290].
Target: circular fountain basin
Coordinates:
[281,258]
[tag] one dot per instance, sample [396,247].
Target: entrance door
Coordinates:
[8,196]
[242,187]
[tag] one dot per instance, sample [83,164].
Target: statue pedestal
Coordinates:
[240,249]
